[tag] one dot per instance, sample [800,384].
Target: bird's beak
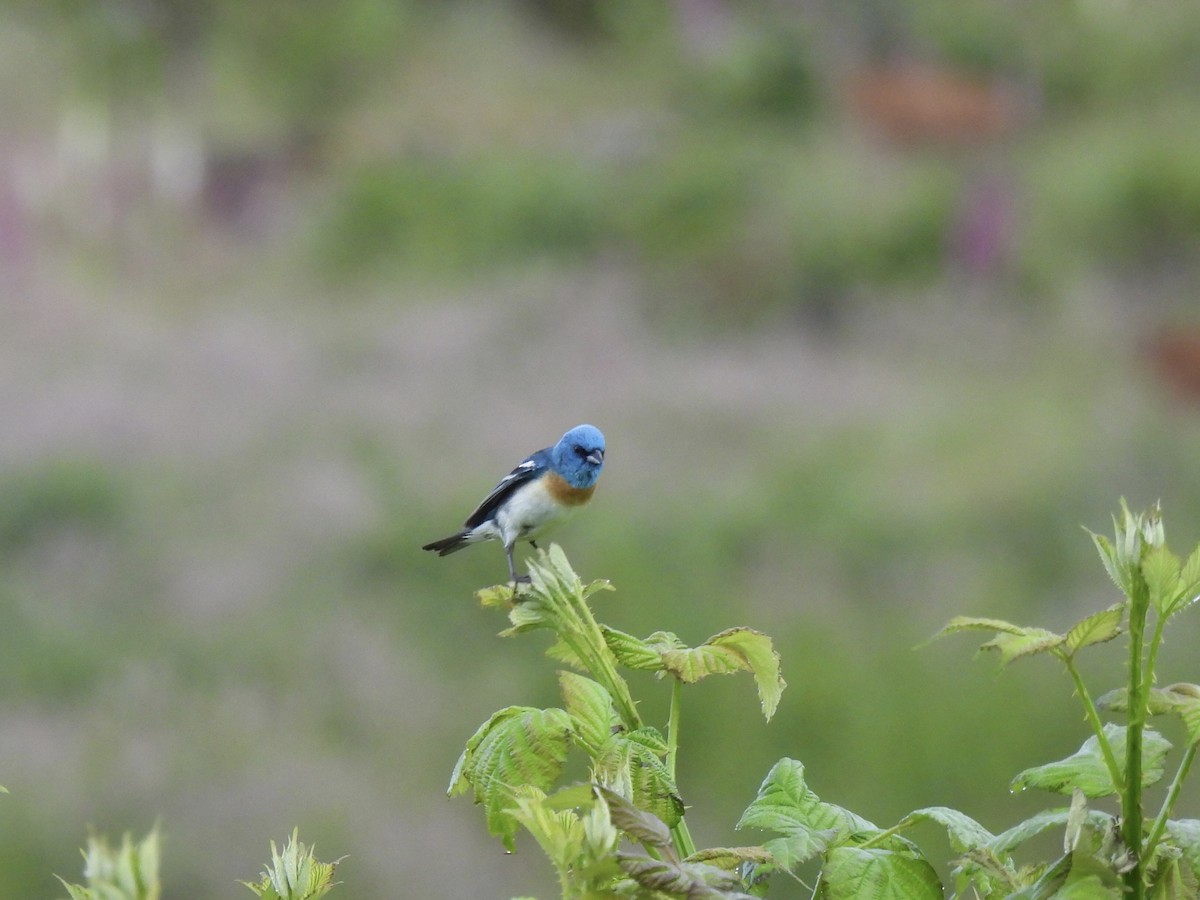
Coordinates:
[596,457]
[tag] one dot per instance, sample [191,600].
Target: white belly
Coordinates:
[527,515]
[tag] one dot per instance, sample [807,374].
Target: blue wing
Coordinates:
[530,469]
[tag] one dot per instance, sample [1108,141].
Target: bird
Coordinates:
[544,489]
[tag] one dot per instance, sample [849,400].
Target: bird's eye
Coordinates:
[581,451]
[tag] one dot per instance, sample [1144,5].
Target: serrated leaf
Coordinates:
[591,709]
[1015,646]
[1011,641]
[632,652]
[294,873]
[574,831]
[560,651]
[694,881]
[1189,585]
[527,615]
[1095,629]
[964,832]
[649,737]
[632,769]
[127,872]
[546,600]
[1007,841]
[1108,555]
[786,805]
[1086,770]
[1161,568]
[733,650]
[854,873]
[518,745]
[1089,887]
[559,832]
[550,572]
[730,858]
[639,825]
[1185,834]
[498,596]
[978,623]
[1180,699]
[1174,879]
[1077,819]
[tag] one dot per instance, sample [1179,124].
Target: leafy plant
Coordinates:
[515,758]
[295,873]
[128,872]
[1105,853]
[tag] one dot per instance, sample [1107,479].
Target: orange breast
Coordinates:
[565,494]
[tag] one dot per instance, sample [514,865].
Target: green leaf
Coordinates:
[551,573]
[964,832]
[1161,568]
[977,623]
[546,601]
[681,879]
[733,650]
[294,873]
[1007,841]
[809,826]
[632,652]
[1078,875]
[1185,833]
[1174,879]
[1117,571]
[1086,770]
[854,873]
[649,737]
[591,709]
[561,651]
[1095,629]
[1011,641]
[534,611]
[1181,699]
[128,872]
[1029,643]
[730,858]
[635,770]
[1189,584]
[1077,821]
[498,596]
[518,745]
[638,825]
[574,831]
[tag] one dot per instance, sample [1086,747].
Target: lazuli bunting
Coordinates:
[544,489]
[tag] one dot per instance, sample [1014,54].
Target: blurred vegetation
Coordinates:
[289,284]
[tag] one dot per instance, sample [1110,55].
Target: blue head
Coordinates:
[579,456]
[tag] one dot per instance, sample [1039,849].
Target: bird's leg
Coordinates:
[512,568]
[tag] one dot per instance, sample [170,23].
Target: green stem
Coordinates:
[673,725]
[1160,823]
[680,835]
[876,839]
[1131,796]
[1093,717]
[1152,657]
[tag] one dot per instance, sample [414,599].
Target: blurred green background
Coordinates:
[876,303]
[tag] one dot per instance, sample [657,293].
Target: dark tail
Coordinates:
[448,544]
